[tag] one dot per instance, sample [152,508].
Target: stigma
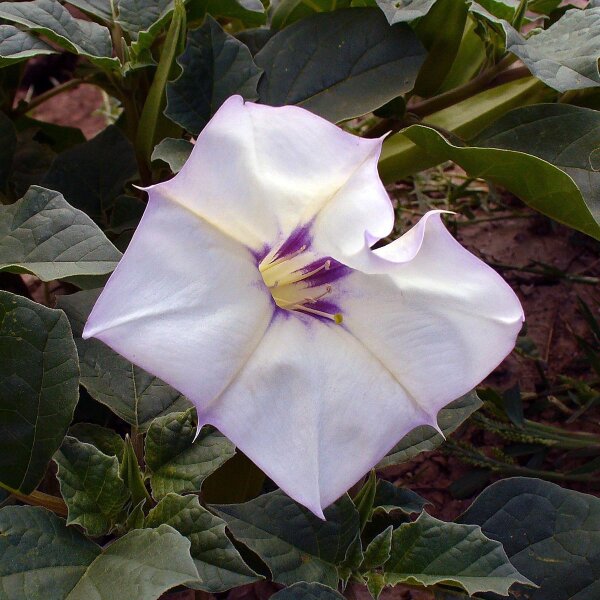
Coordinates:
[300,283]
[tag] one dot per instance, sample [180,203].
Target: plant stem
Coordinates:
[59,89]
[36,498]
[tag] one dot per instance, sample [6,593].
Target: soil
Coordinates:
[516,237]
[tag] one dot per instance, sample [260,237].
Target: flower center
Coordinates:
[299,284]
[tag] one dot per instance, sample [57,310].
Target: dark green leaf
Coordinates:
[256,38]
[58,137]
[51,19]
[43,235]
[287,12]
[176,462]
[537,182]
[429,551]
[39,556]
[98,8]
[8,145]
[31,162]
[339,65]
[173,152]
[295,544]
[131,475]
[142,564]
[364,499]
[250,12]
[307,591]
[17,45]
[564,56]
[93,174]
[389,498]
[219,564]
[401,11]
[106,440]
[215,66]
[91,486]
[550,534]
[133,394]
[39,388]
[126,214]
[566,136]
[378,551]
[424,438]
[145,17]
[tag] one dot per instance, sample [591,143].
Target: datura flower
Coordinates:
[251,287]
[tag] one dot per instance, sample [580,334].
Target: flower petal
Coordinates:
[259,172]
[186,302]
[313,409]
[440,322]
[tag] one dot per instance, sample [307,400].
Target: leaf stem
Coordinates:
[59,89]
[37,498]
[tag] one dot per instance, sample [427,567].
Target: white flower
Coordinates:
[250,286]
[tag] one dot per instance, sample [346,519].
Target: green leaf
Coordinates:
[130,392]
[106,440]
[364,499]
[550,534]
[287,12]
[307,591]
[379,549]
[428,552]
[8,145]
[402,11]
[219,564]
[339,65]
[91,486]
[425,438]
[174,152]
[41,557]
[294,543]
[87,186]
[540,184]
[215,66]
[390,498]
[17,45]
[51,19]
[43,235]
[144,19]
[142,565]
[566,136]
[130,472]
[564,56]
[97,8]
[39,388]
[250,12]
[176,462]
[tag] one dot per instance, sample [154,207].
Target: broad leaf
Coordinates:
[130,392]
[537,182]
[339,65]
[43,235]
[39,388]
[307,591]
[295,544]
[173,152]
[378,550]
[142,564]
[390,498]
[550,534]
[287,12]
[51,19]
[564,56]
[143,17]
[94,173]
[215,66]
[425,438]
[178,460]
[40,556]
[250,12]
[106,440]
[566,136]
[219,564]
[429,551]
[17,45]
[401,11]
[98,8]
[91,486]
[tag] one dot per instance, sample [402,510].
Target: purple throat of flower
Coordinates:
[301,281]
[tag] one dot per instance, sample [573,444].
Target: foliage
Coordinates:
[508,91]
